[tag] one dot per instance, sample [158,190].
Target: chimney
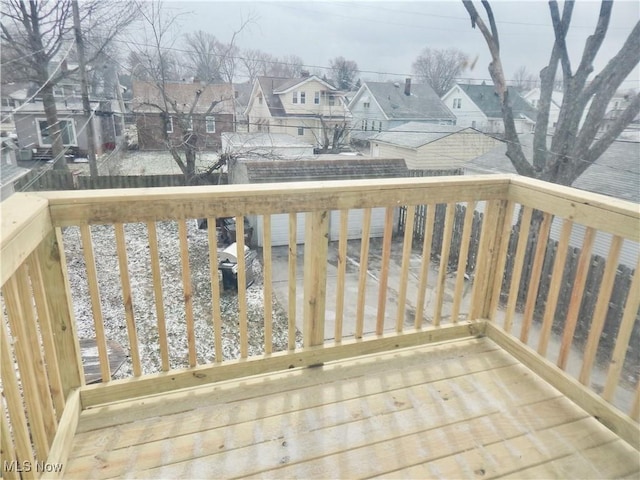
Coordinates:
[196,80]
[304,73]
[407,87]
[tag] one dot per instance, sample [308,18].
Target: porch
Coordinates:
[439,388]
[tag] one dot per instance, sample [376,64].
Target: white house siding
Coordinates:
[384,150]
[354,224]
[310,107]
[467,115]
[279,229]
[454,151]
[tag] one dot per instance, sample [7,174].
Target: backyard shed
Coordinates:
[261,171]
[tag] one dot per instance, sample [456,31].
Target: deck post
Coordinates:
[488,263]
[54,276]
[316,246]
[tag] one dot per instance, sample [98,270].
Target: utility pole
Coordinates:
[86,106]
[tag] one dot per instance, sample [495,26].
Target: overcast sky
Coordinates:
[387,37]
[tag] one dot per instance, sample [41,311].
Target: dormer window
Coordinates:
[299,97]
[367,104]
[260,99]
[457,103]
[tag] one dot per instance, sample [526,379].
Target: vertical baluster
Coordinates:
[555,286]
[46,332]
[293,273]
[157,292]
[600,311]
[406,263]
[624,334]
[30,329]
[268,306]
[13,399]
[576,297]
[462,260]
[534,280]
[518,263]
[342,270]
[188,293]
[242,288]
[121,249]
[426,263]
[6,446]
[362,282]
[96,308]
[384,270]
[53,264]
[25,364]
[505,236]
[315,276]
[215,288]
[444,261]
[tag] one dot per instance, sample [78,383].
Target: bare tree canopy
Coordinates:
[576,143]
[203,50]
[344,72]
[40,36]
[524,80]
[439,68]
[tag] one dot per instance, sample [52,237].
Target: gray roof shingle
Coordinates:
[486,99]
[422,104]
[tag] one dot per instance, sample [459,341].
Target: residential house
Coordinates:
[269,171]
[10,172]
[241,95]
[533,98]
[381,106]
[478,106]
[429,147]
[188,109]
[265,145]
[306,107]
[12,95]
[33,133]
[616,174]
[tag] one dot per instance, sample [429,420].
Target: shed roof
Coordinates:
[259,139]
[416,134]
[422,104]
[341,169]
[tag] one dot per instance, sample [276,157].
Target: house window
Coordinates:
[300,130]
[373,124]
[58,91]
[8,102]
[260,99]
[367,104]
[316,98]
[379,126]
[189,123]
[457,103]
[473,124]
[364,125]
[295,97]
[210,123]
[67,129]
[332,100]
[169,125]
[303,97]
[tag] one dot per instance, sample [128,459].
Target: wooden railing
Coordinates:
[392,288]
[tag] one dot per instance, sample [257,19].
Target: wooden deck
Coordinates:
[461,409]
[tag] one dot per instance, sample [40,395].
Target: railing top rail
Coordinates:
[601,212]
[111,206]
[24,223]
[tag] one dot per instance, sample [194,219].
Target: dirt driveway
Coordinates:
[281,289]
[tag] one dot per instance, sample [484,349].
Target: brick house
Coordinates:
[158,122]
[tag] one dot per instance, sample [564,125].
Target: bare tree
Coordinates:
[288,66]
[158,94]
[344,72]
[575,145]
[255,63]
[523,80]
[39,32]
[439,68]
[203,50]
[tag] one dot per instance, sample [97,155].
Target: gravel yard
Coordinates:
[174,304]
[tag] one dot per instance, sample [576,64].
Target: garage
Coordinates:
[336,167]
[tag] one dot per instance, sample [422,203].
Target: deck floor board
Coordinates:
[453,410]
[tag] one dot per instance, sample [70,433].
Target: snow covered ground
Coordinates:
[144,307]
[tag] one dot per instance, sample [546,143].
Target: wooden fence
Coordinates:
[40,180]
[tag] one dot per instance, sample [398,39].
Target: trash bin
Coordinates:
[228,265]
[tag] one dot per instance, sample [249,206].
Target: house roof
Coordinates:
[242,94]
[486,99]
[17,91]
[341,169]
[616,173]
[10,173]
[534,93]
[416,134]
[268,85]
[147,94]
[292,83]
[422,104]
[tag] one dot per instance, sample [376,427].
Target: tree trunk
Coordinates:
[51,113]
